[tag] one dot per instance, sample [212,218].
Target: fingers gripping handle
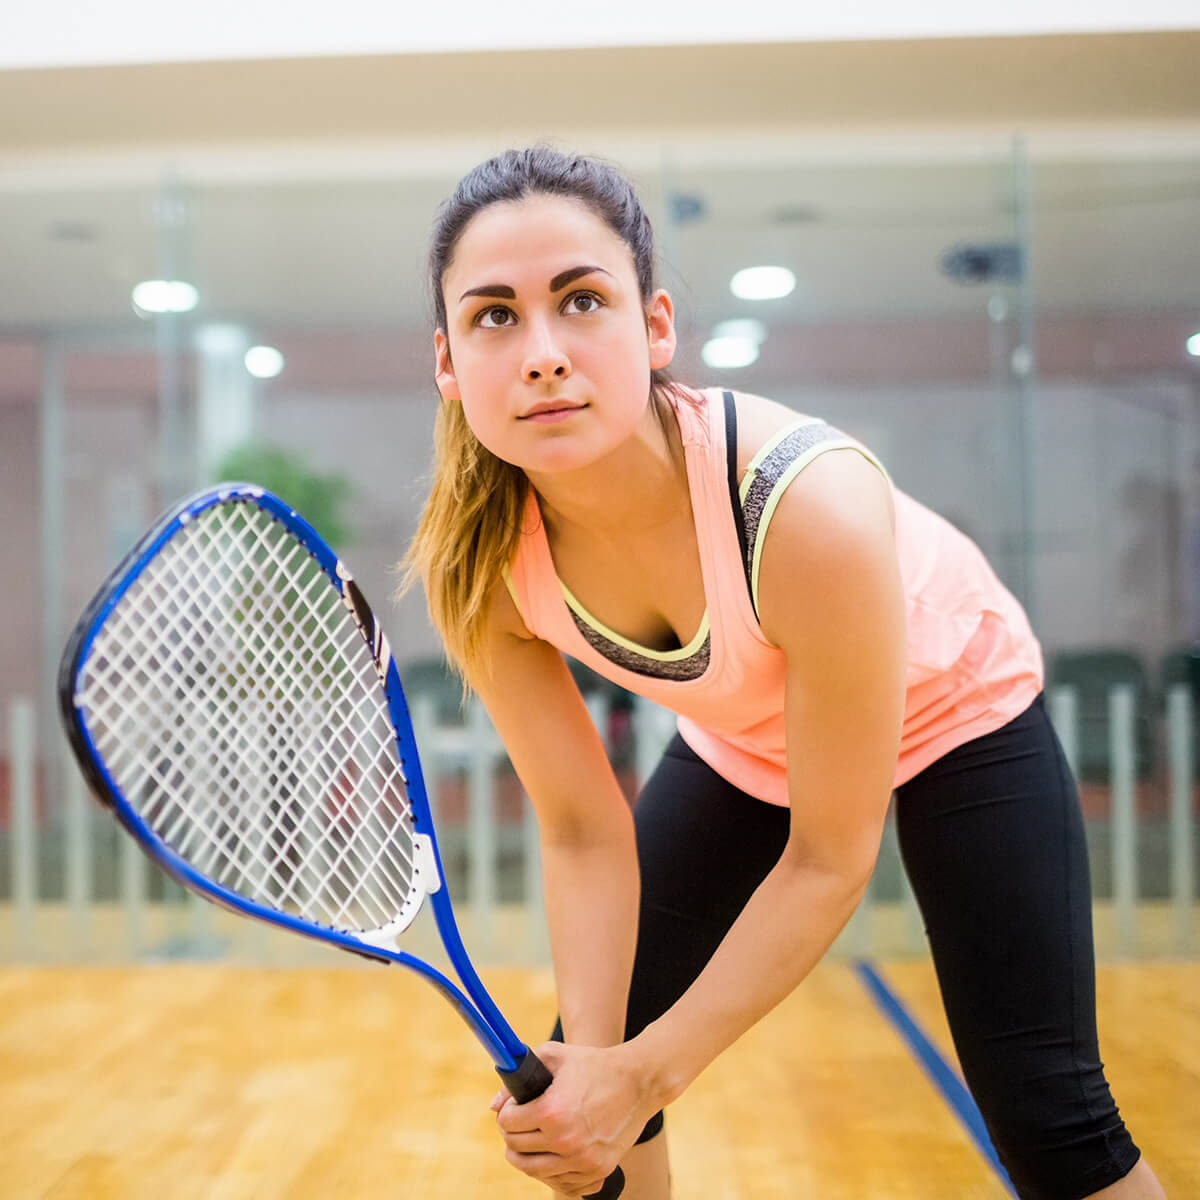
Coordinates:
[528,1082]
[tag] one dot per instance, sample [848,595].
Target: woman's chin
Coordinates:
[558,462]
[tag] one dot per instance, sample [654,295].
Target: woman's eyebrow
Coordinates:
[502,291]
[561,280]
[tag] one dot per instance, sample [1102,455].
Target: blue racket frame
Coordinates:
[479,1012]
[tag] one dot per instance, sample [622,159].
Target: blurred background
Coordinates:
[212,244]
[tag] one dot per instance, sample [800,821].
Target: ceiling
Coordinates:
[431,101]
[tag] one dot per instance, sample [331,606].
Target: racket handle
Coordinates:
[528,1082]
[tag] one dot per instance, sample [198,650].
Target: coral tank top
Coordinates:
[973,661]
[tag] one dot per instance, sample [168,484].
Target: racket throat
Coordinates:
[426,879]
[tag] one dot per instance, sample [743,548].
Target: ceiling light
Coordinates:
[762,283]
[1193,345]
[728,353]
[748,328]
[164,296]
[264,362]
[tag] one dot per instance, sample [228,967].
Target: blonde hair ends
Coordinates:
[466,537]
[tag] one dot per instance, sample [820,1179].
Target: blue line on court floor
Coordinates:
[942,1075]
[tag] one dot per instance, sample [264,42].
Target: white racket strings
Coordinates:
[235,703]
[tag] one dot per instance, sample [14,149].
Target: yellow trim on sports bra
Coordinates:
[793,469]
[684,652]
[768,446]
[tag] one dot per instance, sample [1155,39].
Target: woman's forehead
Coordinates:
[530,235]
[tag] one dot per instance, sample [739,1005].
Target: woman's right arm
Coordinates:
[585,827]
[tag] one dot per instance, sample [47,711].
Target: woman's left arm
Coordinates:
[831,597]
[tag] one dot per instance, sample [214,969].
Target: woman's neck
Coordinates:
[641,485]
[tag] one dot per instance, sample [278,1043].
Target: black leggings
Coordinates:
[993,842]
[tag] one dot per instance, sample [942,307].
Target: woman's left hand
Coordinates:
[574,1134]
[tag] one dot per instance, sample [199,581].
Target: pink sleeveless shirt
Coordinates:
[973,661]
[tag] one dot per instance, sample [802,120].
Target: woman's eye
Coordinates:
[494,318]
[583,302]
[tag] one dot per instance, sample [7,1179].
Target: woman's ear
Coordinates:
[660,330]
[443,370]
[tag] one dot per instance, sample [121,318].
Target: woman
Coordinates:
[823,638]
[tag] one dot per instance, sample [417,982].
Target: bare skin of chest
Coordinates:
[640,577]
[646,585]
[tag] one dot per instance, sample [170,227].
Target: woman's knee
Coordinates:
[1054,1126]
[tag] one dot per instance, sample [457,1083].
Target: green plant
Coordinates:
[318,498]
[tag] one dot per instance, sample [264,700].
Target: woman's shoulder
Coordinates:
[759,420]
[834,490]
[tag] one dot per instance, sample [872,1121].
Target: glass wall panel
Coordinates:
[76,447]
[1007,329]
[1117,287]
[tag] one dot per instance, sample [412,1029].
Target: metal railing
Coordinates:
[72,888]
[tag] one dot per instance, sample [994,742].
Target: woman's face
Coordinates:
[547,345]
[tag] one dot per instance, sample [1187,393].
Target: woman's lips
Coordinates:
[546,416]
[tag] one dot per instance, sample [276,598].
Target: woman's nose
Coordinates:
[544,356]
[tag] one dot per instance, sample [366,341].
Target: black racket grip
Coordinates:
[528,1082]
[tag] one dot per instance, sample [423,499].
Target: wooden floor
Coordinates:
[198,1082]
